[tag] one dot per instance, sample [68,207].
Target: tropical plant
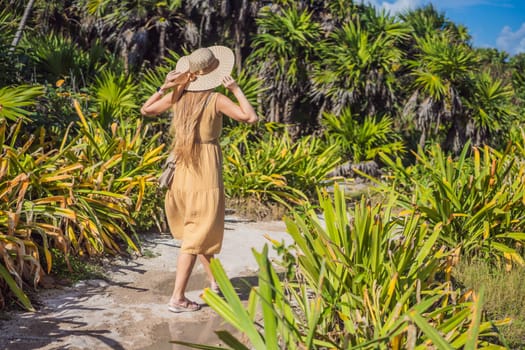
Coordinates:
[19,256]
[491,111]
[80,197]
[114,98]
[425,20]
[116,164]
[59,57]
[281,53]
[441,74]
[494,61]
[271,166]
[357,284]
[127,25]
[477,201]
[363,141]
[15,100]
[356,66]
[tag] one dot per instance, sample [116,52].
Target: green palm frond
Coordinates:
[15,100]
[382,23]
[490,102]
[56,56]
[286,39]
[114,97]
[361,141]
[153,78]
[431,84]
[451,62]
[425,20]
[356,67]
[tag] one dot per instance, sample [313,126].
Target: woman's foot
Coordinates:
[215,288]
[184,305]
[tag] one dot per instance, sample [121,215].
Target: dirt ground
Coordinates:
[128,309]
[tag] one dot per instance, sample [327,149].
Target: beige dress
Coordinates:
[195,202]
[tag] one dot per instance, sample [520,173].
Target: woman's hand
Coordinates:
[229,83]
[171,79]
[243,112]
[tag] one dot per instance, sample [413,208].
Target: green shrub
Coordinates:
[77,196]
[56,56]
[271,166]
[361,279]
[476,199]
[361,141]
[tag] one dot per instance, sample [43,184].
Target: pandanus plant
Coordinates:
[475,199]
[79,197]
[355,279]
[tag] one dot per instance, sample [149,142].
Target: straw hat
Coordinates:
[209,64]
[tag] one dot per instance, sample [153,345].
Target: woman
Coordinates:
[195,200]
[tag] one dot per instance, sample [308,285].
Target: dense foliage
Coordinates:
[364,278]
[337,84]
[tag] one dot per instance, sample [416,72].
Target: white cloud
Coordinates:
[512,42]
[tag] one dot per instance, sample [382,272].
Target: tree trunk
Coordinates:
[239,34]
[422,138]
[162,39]
[22,25]
[456,137]
[274,112]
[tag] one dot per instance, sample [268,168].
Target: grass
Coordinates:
[81,269]
[149,254]
[504,295]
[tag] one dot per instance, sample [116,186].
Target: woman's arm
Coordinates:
[243,112]
[158,102]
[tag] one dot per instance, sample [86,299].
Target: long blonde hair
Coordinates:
[187,111]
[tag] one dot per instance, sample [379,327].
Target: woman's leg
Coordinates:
[185,263]
[205,260]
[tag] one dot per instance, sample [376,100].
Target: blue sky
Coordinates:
[491,23]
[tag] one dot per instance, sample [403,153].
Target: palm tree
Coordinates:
[133,28]
[230,22]
[425,21]
[283,49]
[145,30]
[428,21]
[441,75]
[357,65]
[490,110]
